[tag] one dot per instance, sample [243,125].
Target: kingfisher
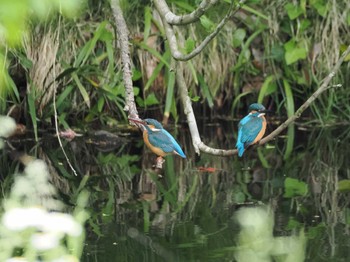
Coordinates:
[251,128]
[160,141]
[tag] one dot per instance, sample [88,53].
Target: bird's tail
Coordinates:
[240,148]
[180,152]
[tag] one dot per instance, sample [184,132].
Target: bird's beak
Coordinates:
[139,122]
[266,111]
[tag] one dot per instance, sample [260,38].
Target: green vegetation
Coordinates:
[273,52]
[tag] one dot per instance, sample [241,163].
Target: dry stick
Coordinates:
[185,19]
[172,38]
[196,140]
[301,109]
[123,32]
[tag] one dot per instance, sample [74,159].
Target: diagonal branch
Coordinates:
[123,32]
[169,31]
[196,140]
[192,17]
[311,99]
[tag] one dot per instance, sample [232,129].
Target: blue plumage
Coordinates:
[251,128]
[161,138]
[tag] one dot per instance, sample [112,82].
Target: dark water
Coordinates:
[188,211]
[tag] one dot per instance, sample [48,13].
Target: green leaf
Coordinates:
[100,104]
[169,93]
[293,11]
[262,158]
[342,50]
[207,23]
[294,52]
[267,88]
[32,112]
[62,97]
[154,76]
[344,186]
[289,98]
[195,98]
[189,45]
[136,91]
[24,61]
[136,74]
[205,91]
[348,19]
[148,21]
[320,6]
[293,187]
[90,45]
[304,24]
[290,142]
[238,37]
[277,52]
[151,99]
[81,88]
[154,52]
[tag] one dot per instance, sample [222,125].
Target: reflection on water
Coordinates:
[206,208]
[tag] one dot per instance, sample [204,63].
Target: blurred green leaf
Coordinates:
[238,37]
[205,90]
[100,104]
[148,20]
[344,185]
[195,98]
[169,93]
[342,50]
[189,45]
[320,6]
[294,52]
[82,89]
[207,23]
[289,98]
[154,52]
[136,74]
[293,187]
[32,112]
[277,52]
[304,24]
[90,45]
[267,88]
[293,11]
[151,99]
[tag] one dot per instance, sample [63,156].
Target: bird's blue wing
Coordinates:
[249,129]
[166,142]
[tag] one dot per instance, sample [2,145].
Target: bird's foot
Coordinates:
[159,162]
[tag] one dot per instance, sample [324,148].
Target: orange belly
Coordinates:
[262,131]
[154,149]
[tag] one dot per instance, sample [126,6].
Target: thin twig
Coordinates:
[55,109]
[172,37]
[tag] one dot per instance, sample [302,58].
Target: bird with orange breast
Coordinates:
[156,138]
[251,128]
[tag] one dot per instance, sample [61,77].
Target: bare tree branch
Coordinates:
[191,119]
[174,19]
[316,94]
[123,32]
[196,140]
[172,38]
